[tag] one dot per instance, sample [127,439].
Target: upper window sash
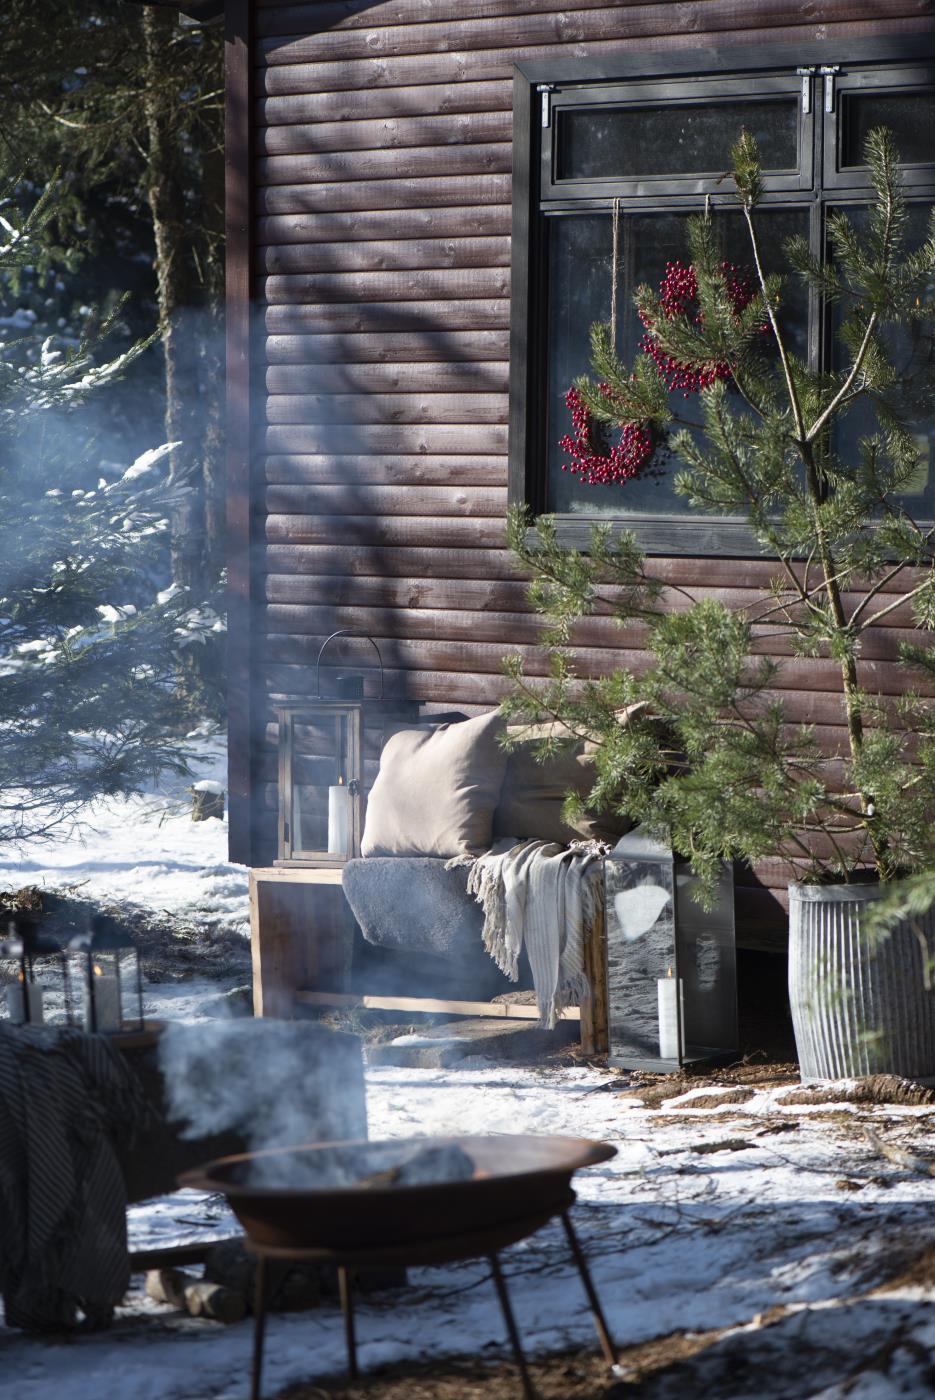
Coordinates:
[604,121]
[900,97]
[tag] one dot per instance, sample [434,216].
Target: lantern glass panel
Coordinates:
[672,992]
[32,976]
[320,782]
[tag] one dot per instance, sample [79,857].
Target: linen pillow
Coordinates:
[436,791]
[534,793]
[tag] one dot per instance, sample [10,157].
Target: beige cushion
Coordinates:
[534,792]
[436,791]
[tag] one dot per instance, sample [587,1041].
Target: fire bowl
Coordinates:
[286,1198]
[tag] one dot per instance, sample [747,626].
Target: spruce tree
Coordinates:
[734,778]
[89,649]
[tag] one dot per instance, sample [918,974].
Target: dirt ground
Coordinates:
[575,1376]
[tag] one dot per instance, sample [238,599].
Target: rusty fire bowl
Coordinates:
[517,1177]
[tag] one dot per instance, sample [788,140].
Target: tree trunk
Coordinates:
[178,316]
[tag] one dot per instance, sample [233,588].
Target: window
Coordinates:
[655,146]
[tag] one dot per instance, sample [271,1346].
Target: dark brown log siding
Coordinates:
[382,134]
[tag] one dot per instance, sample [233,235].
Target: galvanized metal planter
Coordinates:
[857,1008]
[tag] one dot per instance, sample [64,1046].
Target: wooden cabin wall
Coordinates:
[380,258]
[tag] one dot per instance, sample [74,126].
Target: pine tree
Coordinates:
[89,656]
[735,779]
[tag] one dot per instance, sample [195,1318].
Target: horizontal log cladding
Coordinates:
[353,409]
[433,501]
[352,105]
[386,134]
[366,195]
[571,25]
[428,378]
[388,347]
[381,255]
[468,314]
[275,17]
[494,158]
[345,470]
[481,65]
[443,284]
[375,225]
[381,438]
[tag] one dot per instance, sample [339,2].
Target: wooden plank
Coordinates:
[479,65]
[446,655]
[432,1006]
[338,105]
[386,471]
[274,17]
[348,288]
[381,256]
[387,500]
[414,317]
[486,438]
[238,223]
[386,134]
[385,347]
[354,409]
[328,558]
[492,158]
[427,377]
[368,195]
[567,26]
[383,225]
[300,935]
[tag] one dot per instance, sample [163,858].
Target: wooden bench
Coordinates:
[302,934]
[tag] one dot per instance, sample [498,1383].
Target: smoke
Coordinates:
[274,1083]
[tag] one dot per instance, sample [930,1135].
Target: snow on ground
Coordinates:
[779,1222]
[146,851]
[707,1218]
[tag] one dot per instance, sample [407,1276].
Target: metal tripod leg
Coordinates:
[528,1391]
[597,1312]
[347,1308]
[259,1325]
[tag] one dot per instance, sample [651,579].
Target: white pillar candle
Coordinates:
[668,992]
[339,820]
[15,1005]
[107,1014]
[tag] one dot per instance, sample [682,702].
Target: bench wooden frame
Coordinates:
[301,930]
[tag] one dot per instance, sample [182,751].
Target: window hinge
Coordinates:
[828,72]
[545,89]
[806,74]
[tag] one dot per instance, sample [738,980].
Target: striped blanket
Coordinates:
[547,899]
[65,1098]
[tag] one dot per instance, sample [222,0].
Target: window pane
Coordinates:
[912,350]
[910,116]
[580,272]
[675,139]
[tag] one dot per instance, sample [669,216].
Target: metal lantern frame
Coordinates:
[345,709]
[671,964]
[27,942]
[104,949]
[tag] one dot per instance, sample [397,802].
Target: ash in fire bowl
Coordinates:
[349,1166]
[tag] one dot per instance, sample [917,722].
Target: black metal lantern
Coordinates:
[323,778]
[671,965]
[106,979]
[28,989]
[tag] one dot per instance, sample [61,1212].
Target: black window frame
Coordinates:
[557,84]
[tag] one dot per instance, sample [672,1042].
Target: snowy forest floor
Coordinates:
[749,1239]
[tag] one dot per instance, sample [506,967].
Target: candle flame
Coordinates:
[669,972]
[98,971]
[341,780]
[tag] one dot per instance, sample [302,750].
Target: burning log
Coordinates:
[213,1300]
